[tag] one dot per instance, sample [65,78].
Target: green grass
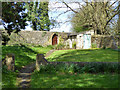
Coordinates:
[61,80]
[27,54]
[8,78]
[24,54]
[91,55]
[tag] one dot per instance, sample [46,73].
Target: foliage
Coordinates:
[74,45]
[60,39]
[12,17]
[5,37]
[94,45]
[97,15]
[88,55]
[38,15]
[59,46]
[79,24]
[79,68]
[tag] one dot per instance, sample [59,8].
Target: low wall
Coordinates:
[101,40]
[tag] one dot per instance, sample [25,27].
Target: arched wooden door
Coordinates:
[54,39]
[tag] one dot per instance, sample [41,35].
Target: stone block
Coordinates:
[40,60]
[10,61]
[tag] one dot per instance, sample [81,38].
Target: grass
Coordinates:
[24,54]
[27,54]
[88,55]
[61,80]
[8,78]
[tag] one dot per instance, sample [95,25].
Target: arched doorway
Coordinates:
[54,39]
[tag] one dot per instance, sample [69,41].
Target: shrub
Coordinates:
[94,45]
[47,68]
[92,67]
[59,46]
[74,45]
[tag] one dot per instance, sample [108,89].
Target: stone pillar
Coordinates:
[40,60]
[10,61]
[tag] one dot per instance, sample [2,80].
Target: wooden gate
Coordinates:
[54,39]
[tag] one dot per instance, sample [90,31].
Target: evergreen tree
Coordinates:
[13,16]
[38,15]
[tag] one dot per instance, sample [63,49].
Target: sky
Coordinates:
[53,13]
[66,27]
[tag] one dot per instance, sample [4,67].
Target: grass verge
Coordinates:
[62,80]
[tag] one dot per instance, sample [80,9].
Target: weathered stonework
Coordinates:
[10,61]
[40,60]
[105,40]
[42,38]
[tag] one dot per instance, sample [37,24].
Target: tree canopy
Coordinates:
[13,16]
[96,15]
[38,15]
[16,14]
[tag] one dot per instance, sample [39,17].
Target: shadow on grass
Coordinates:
[23,55]
[100,55]
[8,78]
[62,80]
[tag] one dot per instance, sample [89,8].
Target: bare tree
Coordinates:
[119,19]
[99,15]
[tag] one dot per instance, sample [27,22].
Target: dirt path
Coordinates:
[24,76]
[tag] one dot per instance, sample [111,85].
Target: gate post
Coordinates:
[10,61]
[40,60]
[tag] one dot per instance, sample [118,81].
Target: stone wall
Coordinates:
[104,40]
[43,38]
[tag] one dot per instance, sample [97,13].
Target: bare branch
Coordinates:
[69,7]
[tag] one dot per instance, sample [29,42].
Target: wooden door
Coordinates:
[54,40]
